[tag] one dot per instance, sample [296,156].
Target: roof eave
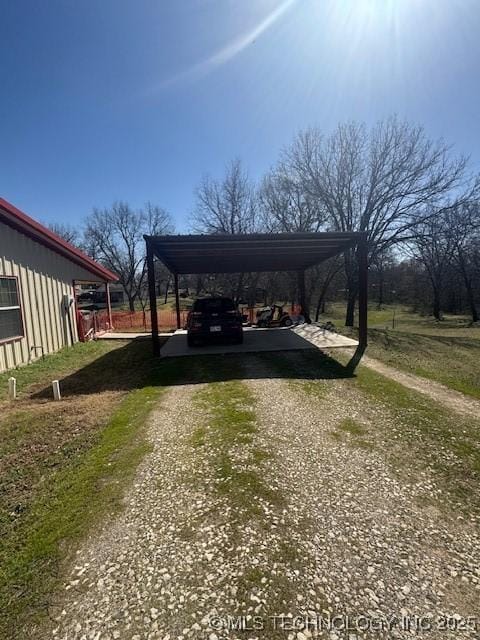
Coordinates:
[20,221]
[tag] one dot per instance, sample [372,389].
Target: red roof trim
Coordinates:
[33,229]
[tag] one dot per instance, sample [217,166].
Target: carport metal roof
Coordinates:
[253,252]
[191,254]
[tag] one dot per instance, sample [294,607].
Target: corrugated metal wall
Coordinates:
[44,278]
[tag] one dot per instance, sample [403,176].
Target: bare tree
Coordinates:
[380,266]
[324,274]
[228,205]
[286,205]
[115,237]
[463,225]
[446,246]
[433,246]
[381,181]
[67,232]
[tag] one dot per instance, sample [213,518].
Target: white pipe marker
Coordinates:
[12,388]
[56,390]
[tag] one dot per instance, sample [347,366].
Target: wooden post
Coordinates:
[153,300]
[362,258]
[177,300]
[303,296]
[109,306]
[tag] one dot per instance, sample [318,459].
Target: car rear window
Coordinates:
[214,305]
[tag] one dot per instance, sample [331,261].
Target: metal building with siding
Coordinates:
[38,273]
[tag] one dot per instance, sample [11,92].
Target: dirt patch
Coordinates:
[41,437]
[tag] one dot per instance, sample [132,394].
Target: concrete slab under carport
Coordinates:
[322,338]
[130,335]
[257,340]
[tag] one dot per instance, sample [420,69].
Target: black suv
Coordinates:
[214,318]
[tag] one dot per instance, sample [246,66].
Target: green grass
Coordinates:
[452,361]
[411,431]
[336,313]
[55,365]
[402,318]
[231,427]
[350,432]
[240,463]
[447,351]
[66,464]
[79,495]
[424,435]
[352,427]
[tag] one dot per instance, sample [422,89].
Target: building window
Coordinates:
[11,325]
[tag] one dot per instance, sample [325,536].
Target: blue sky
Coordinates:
[109,99]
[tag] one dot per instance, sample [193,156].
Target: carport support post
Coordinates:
[177,300]
[302,295]
[109,306]
[362,258]
[153,300]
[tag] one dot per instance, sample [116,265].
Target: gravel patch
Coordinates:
[377,552]
[183,560]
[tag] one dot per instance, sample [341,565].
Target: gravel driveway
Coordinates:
[324,528]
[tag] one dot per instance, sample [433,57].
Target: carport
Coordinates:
[256,252]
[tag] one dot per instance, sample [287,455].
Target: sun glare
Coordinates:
[364,15]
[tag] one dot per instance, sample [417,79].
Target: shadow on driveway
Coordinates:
[133,366]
